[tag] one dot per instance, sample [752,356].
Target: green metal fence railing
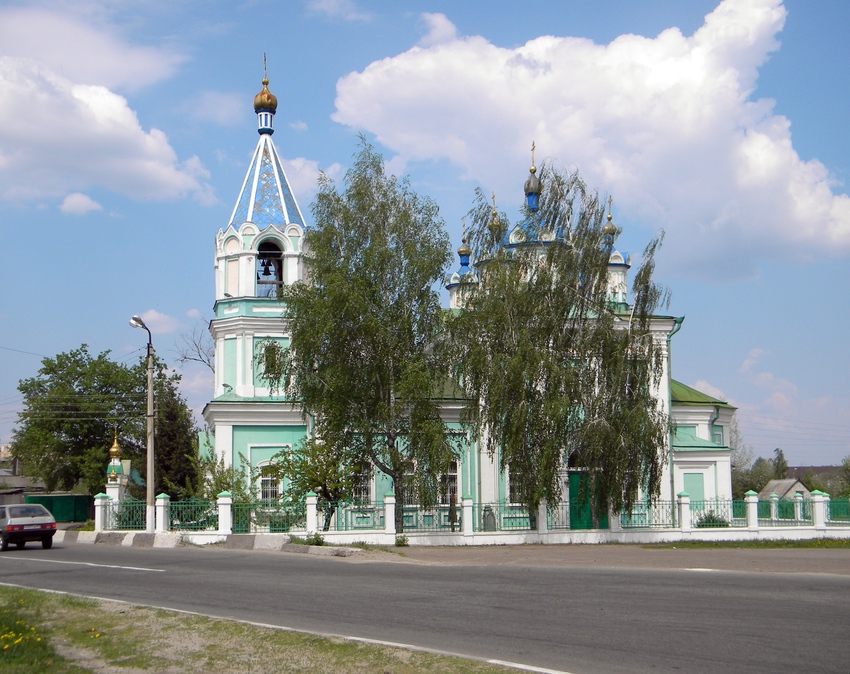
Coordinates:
[268,516]
[435,519]
[785,513]
[657,515]
[345,516]
[839,513]
[193,515]
[128,514]
[489,517]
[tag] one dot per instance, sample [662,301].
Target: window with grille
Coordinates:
[269,483]
[515,488]
[448,484]
[361,492]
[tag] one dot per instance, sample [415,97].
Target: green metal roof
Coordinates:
[685,442]
[685,395]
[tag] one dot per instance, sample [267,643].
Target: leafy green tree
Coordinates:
[174,438]
[780,465]
[77,403]
[761,472]
[742,458]
[556,373]
[366,360]
[210,477]
[72,409]
[322,467]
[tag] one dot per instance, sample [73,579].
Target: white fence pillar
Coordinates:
[774,506]
[163,501]
[684,511]
[389,513]
[224,502]
[798,506]
[100,502]
[312,513]
[615,524]
[467,516]
[818,510]
[752,501]
[542,517]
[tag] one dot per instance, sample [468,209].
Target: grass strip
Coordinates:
[71,635]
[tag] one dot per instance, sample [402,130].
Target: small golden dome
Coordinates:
[464,248]
[115,450]
[265,100]
[610,228]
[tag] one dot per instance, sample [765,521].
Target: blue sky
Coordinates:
[126,128]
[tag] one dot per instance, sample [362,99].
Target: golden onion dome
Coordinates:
[464,248]
[610,228]
[115,450]
[265,100]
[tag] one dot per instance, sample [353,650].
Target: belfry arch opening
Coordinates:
[269,269]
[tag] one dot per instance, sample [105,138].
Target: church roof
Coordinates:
[266,197]
[681,394]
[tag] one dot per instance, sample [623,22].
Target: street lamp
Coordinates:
[150,507]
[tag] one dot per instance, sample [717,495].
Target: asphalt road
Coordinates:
[574,619]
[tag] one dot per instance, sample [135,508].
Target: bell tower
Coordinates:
[256,255]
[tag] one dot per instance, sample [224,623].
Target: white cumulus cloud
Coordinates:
[74,48]
[670,125]
[439,29]
[58,136]
[79,204]
[159,323]
[303,174]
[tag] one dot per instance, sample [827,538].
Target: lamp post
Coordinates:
[150,505]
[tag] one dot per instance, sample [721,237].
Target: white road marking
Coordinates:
[101,566]
[696,568]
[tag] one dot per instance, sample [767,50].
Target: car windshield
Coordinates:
[32,510]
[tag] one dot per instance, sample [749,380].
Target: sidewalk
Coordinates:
[775,560]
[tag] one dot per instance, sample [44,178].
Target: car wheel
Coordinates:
[20,545]
[4,543]
[47,543]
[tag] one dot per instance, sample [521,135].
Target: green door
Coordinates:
[581,510]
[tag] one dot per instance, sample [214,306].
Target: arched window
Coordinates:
[269,269]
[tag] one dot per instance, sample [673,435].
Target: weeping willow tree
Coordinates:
[559,372]
[366,358]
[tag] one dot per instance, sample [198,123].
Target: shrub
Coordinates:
[401,541]
[710,519]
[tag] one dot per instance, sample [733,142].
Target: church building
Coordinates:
[261,249]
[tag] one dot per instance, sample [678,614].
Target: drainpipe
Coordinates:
[676,327]
[711,433]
